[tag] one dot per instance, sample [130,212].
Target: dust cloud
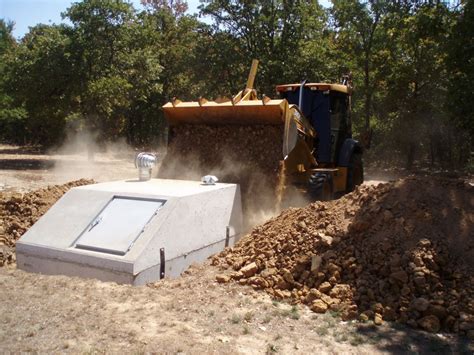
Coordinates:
[83,155]
[250,156]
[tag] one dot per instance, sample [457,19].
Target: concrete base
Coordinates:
[173,268]
[189,226]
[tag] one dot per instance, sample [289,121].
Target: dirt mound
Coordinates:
[246,155]
[401,251]
[18,212]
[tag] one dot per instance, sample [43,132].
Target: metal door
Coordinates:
[118,225]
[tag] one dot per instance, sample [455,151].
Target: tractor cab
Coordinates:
[327,107]
[338,156]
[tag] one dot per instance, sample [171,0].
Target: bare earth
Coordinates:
[192,314]
[23,169]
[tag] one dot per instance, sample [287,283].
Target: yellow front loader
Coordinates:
[300,141]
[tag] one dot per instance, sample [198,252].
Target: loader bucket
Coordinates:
[249,112]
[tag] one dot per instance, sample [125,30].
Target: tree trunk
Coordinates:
[410,155]
[432,149]
[367,90]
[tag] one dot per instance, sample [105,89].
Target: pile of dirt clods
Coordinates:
[19,211]
[246,155]
[401,251]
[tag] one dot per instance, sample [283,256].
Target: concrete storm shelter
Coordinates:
[132,231]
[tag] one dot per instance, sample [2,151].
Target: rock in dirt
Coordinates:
[319,306]
[325,287]
[430,324]
[420,304]
[249,270]
[222,278]
[378,319]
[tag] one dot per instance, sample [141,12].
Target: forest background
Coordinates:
[111,67]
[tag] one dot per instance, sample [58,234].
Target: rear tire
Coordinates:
[355,172]
[320,187]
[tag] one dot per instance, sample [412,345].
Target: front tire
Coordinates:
[320,187]
[355,172]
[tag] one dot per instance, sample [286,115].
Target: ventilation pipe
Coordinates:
[145,162]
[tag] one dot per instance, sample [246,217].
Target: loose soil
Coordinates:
[192,314]
[401,251]
[248,155]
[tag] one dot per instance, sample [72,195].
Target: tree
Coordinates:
[221,66]
[282,35]
[357,24]
[115,68]
[37,77]
[11,117]
[461,71]
[7,42]
[417,75]
[176,7]
[175,38]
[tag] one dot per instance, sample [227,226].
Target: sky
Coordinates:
[26,13]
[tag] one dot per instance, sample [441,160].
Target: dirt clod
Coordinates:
[319,306]
[378,319]
[222,278]
[430,323]
[249,270]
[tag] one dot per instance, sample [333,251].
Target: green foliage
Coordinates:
[461,70]
[417,78]
[36,75]
[362,40]
[282,35]
[7,42]
[223,71]
[113,68]
[11,116]
[400,74]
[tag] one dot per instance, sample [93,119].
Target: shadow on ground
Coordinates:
[21,150]
[396,338]
[48,164]
[26,164]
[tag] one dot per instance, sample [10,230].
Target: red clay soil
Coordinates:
[401,251]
